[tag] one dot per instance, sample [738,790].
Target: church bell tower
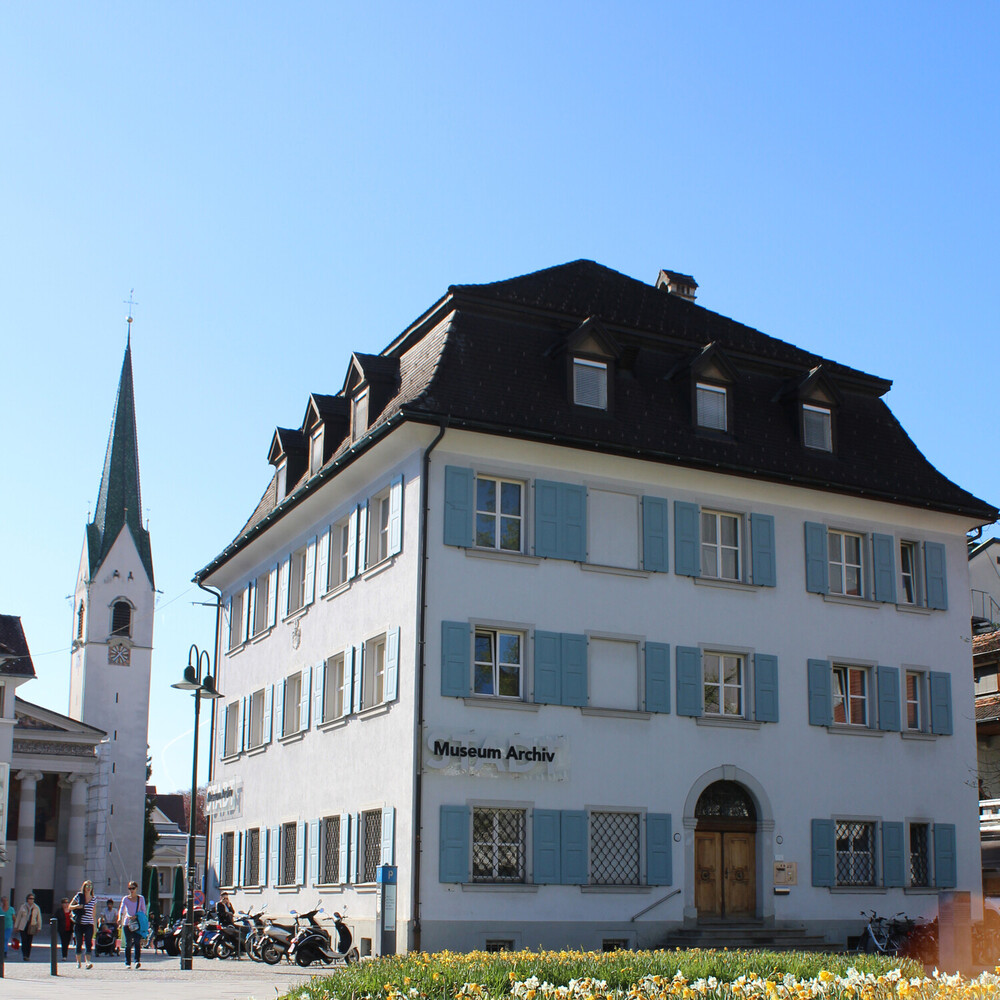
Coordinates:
[111,656]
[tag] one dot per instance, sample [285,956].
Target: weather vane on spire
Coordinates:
[130,304]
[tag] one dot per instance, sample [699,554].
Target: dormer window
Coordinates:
[359,414]
[316,451]
[281,480]
[590,383]
[711,405]
[817,427]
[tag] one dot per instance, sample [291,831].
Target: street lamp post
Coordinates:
[201,687]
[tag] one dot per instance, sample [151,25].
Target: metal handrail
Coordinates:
[651,905]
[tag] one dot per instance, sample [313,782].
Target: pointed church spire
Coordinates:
[119,501]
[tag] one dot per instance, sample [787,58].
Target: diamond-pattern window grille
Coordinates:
[855,853]
[288,837]
[371,823]
[614,848]
[331,851]
[498,845]
[920,874]
[251,867]
[227,858]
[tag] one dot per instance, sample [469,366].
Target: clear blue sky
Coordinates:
[285,183]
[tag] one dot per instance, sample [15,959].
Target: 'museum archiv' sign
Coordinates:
[492,755]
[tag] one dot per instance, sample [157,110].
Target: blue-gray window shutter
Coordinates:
[313,872]
[300,853]
[765,683]
[275,839]
[545,846]
[945,866]
[657,678]
[888,699]
[348,680]
[359,678]
[395,517]
[548,671]
[884,558]
[345,840]
[655,518]
[454,856]
[689,689]
[574,670]
[574,522]
[392,665]
[455,664]
[279,690]
[268,713]
[824,855]
[547,519]
[457,505]
[762,553]
[940,684]
[388,835]
[687,539]
[573,847]
[817,559]
[262,856]
[222,733]
[820,693]
[937,576]
[892,855]
[659,849]
[319,692]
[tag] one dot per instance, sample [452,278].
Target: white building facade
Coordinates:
[596,628]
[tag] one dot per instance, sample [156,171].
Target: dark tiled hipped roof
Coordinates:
[492,358]
[15,657]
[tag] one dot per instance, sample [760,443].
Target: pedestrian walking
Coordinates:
[28,923]
[64,921]
[128,916]
[83,911]
[7,913]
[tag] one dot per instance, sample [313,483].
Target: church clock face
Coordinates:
[118,653]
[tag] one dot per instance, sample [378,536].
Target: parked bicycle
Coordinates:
[884,935]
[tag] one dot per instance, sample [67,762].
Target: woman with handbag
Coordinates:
[131,916]
[83,913]
[28,923]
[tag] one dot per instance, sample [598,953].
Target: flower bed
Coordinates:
[641,975]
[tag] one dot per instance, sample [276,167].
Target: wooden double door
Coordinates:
[725,872]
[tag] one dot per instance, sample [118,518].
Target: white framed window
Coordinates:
[499,513]
[227,867]
[262,593]
[287,854]
[373,675]
[256,708]
[498,663]
[329,862]
[498,845]
[297,580]
[909,574]
[615,848]
[378,528]
[613,673]
[359,415]
[281,481]
[334,706]
[236,613]
[920,854]
[916,701]
[855,844]
[817,427]
[851,695]
[724,680]
[232,734]
[371,853]
[293,697]
[846,554]
[721,545]
[590,383]
[340,545]
[711,406]
[251,857]
[316,451]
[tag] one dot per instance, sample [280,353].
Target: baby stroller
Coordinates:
[106,940]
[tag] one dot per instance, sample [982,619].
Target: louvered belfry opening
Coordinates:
[121,618]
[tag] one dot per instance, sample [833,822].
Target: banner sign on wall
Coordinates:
[224,799]
[496,755]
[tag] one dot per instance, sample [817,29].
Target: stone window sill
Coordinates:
[499,887]
[913,609]
[858,890]
[721,722]
[617,713]
[337,591]
[262,634]
[642,574]
[501,556]
[474,701]
[329,724]
[380,567]
[711,581]
[631,890]
[292,737]
[374,710]
[855,731]
[919,737]
[852,602]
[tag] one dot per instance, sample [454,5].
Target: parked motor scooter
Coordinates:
[278,939]
[313,942]
[232,938]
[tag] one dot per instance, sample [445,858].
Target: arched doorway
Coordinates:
[725,855]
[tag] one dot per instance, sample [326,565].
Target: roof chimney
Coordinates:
[677,284]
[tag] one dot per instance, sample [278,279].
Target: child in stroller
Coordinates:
[106,940]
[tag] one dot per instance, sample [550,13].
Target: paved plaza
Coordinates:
[160,978]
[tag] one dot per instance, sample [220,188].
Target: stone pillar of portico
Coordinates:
[24,873]
[75,834]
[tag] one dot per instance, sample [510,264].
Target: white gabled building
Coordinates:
[600,616]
